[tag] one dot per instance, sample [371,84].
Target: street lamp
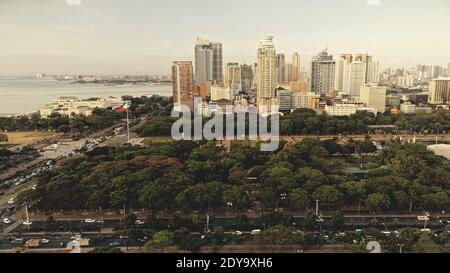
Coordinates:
[317,207]
[401,247]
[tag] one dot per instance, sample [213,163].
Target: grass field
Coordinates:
[20,138]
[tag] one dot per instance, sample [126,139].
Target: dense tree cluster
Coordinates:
[308,122]
[9,159]
[202,175]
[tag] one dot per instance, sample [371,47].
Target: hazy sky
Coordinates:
[144,36]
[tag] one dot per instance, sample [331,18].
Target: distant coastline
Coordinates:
[20,95]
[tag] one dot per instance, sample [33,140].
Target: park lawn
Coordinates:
[20,138]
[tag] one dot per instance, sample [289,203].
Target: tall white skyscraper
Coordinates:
[322,73]
[373,73]
[357,78]
[208,61]
[266,71]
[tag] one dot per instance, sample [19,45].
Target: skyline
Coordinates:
[118,38]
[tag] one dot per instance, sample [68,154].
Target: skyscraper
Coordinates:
[281,67]
[266,71]
[295,67]
[217,61]
[203,62]
[342,72]
[322,73]
[373,73]
[208,62]
[357,78]
[246,77]
[182,84]
[233,76]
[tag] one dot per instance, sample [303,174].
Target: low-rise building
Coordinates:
[72,106]
[408,108]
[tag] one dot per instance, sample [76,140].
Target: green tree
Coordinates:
[160,240]
[130,221]
[310,179]
[337,221]
[426,244]
[298,199]
[329,196]
[378,201]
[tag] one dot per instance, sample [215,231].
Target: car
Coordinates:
[90,221]
[115,244]
[7,221]
[237,232]
[256,231]
[45,241]
[11,201]
[75,237]
[140,222]
[426,230]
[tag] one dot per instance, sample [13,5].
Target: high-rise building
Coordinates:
[439,91]
[233,77]
[208,62]
[182,84]
[322,73]
[246,77]
[357,78]
[373,73]
[374,97]
[217,61]
[281,67]
[288,73]
[342,72]
[266,71]
[203,62]
[295,67]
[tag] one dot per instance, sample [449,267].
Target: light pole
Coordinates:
[317,207]
[401,247]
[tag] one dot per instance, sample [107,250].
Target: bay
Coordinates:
[22,95]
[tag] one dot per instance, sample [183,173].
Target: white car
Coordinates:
[11,201]
[256,231]
[90,221]
[140,222]
[45,241]
[7,221]
[238,233]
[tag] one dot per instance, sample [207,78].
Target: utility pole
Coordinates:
[128,125]
[317,207]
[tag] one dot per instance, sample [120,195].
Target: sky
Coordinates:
[145,36]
